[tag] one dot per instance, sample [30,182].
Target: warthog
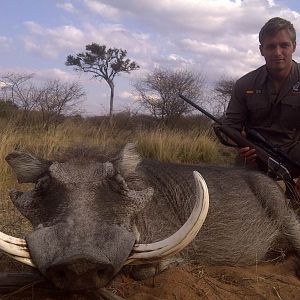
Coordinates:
[92,217]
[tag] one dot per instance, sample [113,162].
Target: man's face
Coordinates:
[277,51]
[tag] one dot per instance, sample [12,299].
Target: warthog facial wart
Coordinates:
[93,218]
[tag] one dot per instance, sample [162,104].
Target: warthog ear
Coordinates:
[27,167]
[128,159]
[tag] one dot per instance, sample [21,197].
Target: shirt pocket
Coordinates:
[258,110]
[290,112]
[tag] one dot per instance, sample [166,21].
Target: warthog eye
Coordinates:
[42,183]
[118,184]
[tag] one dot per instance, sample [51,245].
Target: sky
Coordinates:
[218,38]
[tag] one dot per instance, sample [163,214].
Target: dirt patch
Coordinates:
[265,281]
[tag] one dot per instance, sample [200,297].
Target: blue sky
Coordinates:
[215,37]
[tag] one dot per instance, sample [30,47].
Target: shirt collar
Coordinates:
[293,75]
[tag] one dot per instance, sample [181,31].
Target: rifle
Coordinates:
[277,164]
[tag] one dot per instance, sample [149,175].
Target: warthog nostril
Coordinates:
[80,274]
[101,272]
[61,274]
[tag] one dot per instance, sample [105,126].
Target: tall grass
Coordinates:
[180,146]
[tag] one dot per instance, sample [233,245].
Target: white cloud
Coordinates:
[271,2]
[56,73]
[116,35]
[46,74]
[204,48]
[127,96]
[50,42]
[5,42]
[4,85]
[176,57]
[34,28]
[67,6]
[102,9]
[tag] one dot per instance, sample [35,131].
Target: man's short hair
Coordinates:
[274,25]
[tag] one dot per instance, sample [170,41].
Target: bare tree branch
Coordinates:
[158,93]
[223,89]
[53,98]
[57,99]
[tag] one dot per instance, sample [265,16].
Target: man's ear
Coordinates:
[294,46]
[260,49]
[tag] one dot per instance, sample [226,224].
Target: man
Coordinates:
[268,99]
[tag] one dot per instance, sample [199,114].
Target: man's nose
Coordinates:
[278,50]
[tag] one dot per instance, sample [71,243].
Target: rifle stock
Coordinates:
[243,142]
[263,154]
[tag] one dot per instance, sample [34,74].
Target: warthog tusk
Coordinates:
[12,240]
[145,253]
[15,248]
[23,260]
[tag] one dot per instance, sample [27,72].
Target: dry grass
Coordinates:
[179,146]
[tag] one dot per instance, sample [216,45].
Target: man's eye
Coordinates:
[274,46]
[271,47]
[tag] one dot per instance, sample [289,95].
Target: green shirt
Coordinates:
[276,116]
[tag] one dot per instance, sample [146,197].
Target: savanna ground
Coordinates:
[269,280]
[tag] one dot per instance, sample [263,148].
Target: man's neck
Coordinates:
[279,76]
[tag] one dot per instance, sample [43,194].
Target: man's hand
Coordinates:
[248,154]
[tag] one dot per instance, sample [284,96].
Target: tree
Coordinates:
[52,98]
[103,64]
[223,89]
[58,99]
[158,93]
[20,90]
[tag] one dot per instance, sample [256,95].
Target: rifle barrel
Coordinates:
[200,109]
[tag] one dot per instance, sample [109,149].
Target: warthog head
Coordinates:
[83,214]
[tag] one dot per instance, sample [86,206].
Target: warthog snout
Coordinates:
[80,273]
[76,258]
